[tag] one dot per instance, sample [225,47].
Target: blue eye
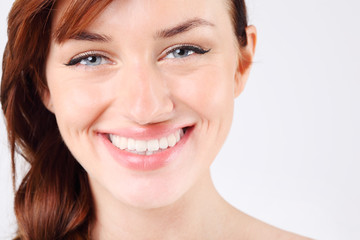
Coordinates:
[88,59]
[185,51]
[91,61]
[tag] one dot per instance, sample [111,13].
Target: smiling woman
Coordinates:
[120,107]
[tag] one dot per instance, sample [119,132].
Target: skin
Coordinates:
[138,86]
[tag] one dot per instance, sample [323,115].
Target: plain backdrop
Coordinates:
[292,158]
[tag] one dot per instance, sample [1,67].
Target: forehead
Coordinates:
[73,16]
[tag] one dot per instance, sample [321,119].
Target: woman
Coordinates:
[120,107]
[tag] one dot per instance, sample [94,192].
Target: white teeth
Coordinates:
[153,145]
[123,143]
[115,139]
[149,147]
[131,144]
[141,146]
[163,143]
[171,140]
[177,135]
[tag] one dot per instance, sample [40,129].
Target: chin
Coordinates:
[153,196]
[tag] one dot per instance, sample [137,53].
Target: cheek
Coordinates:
[76,106]
[209,92]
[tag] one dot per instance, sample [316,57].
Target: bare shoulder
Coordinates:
[278,234]
[248,228]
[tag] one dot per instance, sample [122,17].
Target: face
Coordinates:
[144,96]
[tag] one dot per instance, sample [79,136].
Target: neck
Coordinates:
[199,213]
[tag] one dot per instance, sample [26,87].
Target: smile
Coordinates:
[146,147]
[143,153]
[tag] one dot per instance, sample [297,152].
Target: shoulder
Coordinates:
[253,229]
[270,232]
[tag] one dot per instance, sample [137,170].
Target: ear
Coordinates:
[246,56]
[46,99]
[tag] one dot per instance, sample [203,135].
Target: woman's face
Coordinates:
[125,90]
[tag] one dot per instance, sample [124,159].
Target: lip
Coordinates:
[145,162]
[146,133]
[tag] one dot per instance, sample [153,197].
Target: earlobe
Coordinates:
[47,101]
[245,59]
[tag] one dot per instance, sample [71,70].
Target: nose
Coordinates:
[148,98]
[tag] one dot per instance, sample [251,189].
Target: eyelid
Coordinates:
[83,55]
[194,47]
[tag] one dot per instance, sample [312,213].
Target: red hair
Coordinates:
[54,198]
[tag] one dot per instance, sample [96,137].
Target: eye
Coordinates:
[184,51]
[89,59]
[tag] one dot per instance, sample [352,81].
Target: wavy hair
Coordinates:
[54,199]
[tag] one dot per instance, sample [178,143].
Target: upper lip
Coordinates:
[146,132]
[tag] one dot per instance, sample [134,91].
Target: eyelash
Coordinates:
[195,49]
[187,47]
[83,56]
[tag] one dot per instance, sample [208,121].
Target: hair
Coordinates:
[53,200]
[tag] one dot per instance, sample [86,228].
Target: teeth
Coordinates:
[163,143]
[153,145]
[172,140]
[177,136]
[131,144]
[114,139]
[123,143]
[141,146]
[149,147]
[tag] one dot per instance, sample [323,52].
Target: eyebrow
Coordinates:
[92,37]
[183,27]
[166,33]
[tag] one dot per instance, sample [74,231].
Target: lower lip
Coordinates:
[145,162]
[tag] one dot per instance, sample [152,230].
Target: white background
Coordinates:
[293,156]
